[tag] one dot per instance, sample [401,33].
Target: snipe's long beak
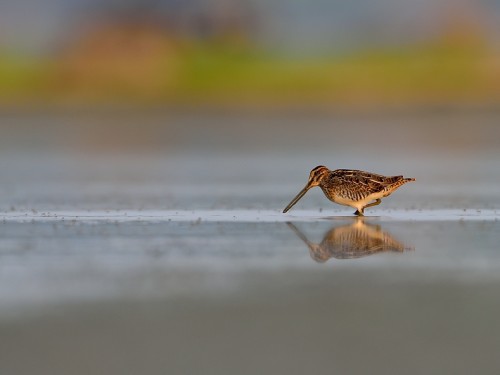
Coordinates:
[296,199]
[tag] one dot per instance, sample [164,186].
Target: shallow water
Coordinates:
[112,296]
[179,260]
[93,257]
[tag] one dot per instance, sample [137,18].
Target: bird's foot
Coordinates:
[359,213]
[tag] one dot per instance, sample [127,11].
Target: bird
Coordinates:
[351,187]
[355,240]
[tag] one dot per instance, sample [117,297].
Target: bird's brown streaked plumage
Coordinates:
[355,188]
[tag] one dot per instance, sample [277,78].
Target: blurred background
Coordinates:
[254,53]
[228,104]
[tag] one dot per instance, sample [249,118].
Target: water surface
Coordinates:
[165,250]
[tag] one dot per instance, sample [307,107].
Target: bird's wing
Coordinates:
[364,183]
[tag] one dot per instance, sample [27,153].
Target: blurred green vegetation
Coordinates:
[425,74]
[225,74]
[22,78]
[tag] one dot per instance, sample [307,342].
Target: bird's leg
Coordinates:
[359,212]
[376,203]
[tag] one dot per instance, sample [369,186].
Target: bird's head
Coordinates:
[315,178]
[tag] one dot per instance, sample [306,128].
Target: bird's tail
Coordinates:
[390,188]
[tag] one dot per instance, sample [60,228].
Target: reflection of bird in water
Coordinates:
[353,188]
[351,241]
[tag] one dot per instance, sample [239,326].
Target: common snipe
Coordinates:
[353,188]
